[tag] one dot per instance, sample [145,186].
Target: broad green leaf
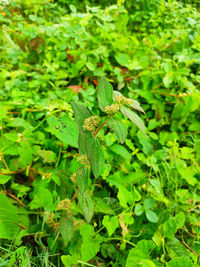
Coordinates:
[138,209]
[65,129]
[66,228]
[95,155]
[134,118]
[123,59]
[117,127]
[151,216]
[9,220]
[47,155]
[169,228]
[42,198]
[111,224]
[25,153]
[180,262]
[82,179]
[80,113]
[149,203]
[180,219]
[122,151]
[4,178]
[141,253]
[86,204]
[104,93]
[91,242]
[125,197]
[168,79]
[69,260]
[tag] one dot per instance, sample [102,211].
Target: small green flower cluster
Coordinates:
[111,110]
[123,100]
[91,123]
[83,160]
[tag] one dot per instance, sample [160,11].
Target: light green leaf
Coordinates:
[42,198]
[47,155]
[124,196]
[123,59]
[138,209]
[140,254]
[4,178]
[168,79]
[64,129]
[151,216]
[91,242]
[66,228]
[111,224]
[117,127]
[180,262]
[170,228]
[180,219]
[149,203]
[134,118]
[69,260]
[9,219]
[104,93]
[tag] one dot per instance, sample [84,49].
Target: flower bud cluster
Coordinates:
[91,123]
[111,110]
[83,160]
[123,100]
[64,204]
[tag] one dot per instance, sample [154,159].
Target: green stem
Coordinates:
[100,127]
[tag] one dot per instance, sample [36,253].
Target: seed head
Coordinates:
[91,123]
[83,160]
[111,110]
[123,100]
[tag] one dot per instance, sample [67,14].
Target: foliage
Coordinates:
[112,182]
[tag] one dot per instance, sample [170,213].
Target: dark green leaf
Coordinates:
[82,179]
[66,228]
[117,127]
[104,93]
[80,113]
[95,155]
[86,205]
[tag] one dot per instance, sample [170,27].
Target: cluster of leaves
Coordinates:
[77,193]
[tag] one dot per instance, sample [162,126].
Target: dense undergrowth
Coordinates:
[143,209]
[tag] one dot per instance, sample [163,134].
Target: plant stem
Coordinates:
[100,127]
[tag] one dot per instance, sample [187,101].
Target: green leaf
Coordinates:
[86,204]
[151,216]
[168,79]
[95,155]
[47,155]
[9,219]
[80,113]
[180,219]
[122,151]
[25,152]
[170,228]
[111,224]
[134,118]
[123,59]
[64,129]
[82,179]
[180,262]
[42,198]
[4,178]
[140,254]
[148,204]
[138,209]
[124,196]
[66,228]
[91,242]
[117,127]
[104,93]
[69,260]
